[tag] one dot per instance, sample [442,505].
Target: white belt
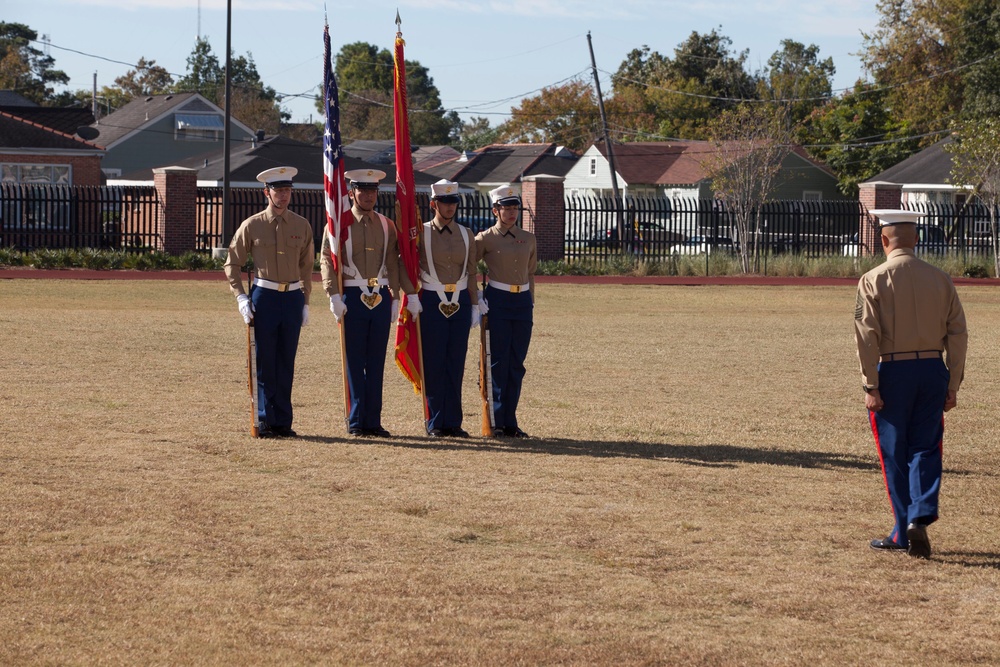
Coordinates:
[509,288]
[366,282]
[278,287]
[446,287]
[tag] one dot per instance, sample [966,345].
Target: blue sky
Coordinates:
[483,55]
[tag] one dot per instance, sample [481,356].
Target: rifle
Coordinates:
[252,373]
[486,375]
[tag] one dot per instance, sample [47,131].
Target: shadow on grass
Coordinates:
[981,559]
[714,455]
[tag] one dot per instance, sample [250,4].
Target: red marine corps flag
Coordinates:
[407,334]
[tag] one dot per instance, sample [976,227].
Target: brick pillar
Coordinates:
[177,190]
[545,214]
[876,194]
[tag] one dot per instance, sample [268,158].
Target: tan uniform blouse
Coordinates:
[367,242]
[907,305]
[510,255]
[281,247]
[448,251]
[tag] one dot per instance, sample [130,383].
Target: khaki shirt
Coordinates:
[510,255]
[907,305]
[448,250]
[367,242]
[281,247]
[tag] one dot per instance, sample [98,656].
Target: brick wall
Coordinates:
[177,191]
[873,196]
[544,214]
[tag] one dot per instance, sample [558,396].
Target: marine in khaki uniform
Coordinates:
[281,245]
[511,258]
[371,266]
[911,338]
[449,309]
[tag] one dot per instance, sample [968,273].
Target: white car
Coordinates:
[930,241]
[701,245]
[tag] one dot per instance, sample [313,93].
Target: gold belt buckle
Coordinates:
[450,287]
[514,289]
[373,282]
[282,287]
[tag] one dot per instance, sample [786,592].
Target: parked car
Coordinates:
[930,241]
[652,234]
[701,245]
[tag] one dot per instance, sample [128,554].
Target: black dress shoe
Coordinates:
[885,544]
[920,546]
[378,432]
[458,433]
[267,432]
[437,433]
[284,431]
[514,432]
[355,431]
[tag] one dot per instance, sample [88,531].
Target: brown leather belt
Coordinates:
[907,356]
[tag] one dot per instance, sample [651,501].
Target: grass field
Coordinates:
[701,491]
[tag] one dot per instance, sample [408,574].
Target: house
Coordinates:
[383,151]
[249,158]
[679,169]
[494,165]
[162,130]
[34,153]
[921,178]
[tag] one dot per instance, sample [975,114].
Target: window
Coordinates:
[36,174]
[41,210]
[198,127]
[812,195]
[593,166]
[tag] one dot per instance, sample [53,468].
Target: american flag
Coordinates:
[338,204]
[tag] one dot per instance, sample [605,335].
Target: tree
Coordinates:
[147,78]
[678,97]
[566,114]
[476,133]
[255,104]
[857,136]
[751,142]
[365,77]
[913,54]
[976,164]
[23,68]
[977,46]
[796,73]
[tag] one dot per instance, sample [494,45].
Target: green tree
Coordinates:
[23,68]
[796,73]
[365,78]
[913,53]
[976,164]
[977,45]
[678,97]
[147,78]
[253,103]
[857,136]
[476,133]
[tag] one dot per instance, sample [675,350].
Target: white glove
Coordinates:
[413,305]
[246,307]
[476,317]
[395,310]
[337,306]
[305,315]
[483,306]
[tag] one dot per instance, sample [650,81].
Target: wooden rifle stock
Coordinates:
[486,375]
[252,380]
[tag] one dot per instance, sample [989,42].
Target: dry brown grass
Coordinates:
[702,492]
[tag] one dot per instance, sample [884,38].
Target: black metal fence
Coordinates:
[651,228]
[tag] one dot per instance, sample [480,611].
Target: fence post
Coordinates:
[177,191]
[875,194]
[545,214]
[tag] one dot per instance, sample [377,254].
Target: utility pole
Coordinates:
[227,225]
[619,213]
